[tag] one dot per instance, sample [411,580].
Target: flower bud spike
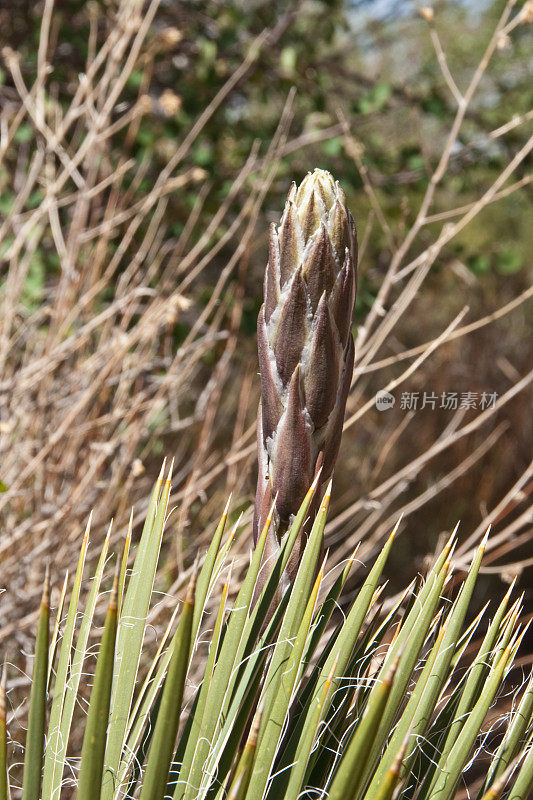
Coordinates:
[306,350]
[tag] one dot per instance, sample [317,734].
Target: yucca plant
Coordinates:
[361,708]
[293,700]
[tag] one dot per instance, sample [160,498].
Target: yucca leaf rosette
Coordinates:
[306,348]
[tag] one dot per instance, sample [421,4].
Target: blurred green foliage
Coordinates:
[382,74]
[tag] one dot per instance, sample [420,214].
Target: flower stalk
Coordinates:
[306,351]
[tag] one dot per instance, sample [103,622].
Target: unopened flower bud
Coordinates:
[305,345]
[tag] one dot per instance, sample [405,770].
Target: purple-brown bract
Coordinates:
[306,350]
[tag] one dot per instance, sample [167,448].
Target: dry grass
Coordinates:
[93,373]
